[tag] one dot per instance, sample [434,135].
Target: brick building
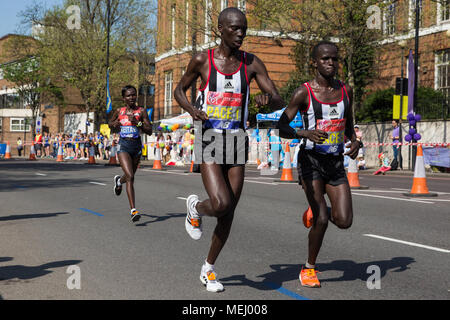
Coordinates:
[174,48]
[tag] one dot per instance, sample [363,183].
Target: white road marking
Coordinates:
[408,243]
[262,182]
[409,190]
[170,172]
[181,198]
[100,184]
[384,197]
[40,174]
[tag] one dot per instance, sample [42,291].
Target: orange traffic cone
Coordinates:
[157,161]
[112,156]
[32,153]
[8,151]
[60,156]
[308,218]
[419,187]
[91,155]
[286,173]
[353,175]
[191,169]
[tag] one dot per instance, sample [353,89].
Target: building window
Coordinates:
[241,5]
[412,14]
[443,7]
[186,24]
[168,94]
[173,10]
[18,124]
[223,4]
[443,73]
[208,12]
[390,19]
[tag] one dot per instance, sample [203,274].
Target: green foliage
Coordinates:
[378,106]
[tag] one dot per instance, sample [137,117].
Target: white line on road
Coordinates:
[410,190]
[384,197]
[40,174]
[262,182]
[408,243]
[100,184]
[181,198]
[170,172]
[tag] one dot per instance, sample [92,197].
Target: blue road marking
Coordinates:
[90,211]
[284,291]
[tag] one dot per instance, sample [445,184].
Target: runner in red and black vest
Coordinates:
[222,107]
[130,120]
[325,105]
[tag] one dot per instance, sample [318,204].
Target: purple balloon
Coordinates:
[412,131]
[418,117]
[408,138]
[417,136]
[410,117]
[412,122]
[159,128]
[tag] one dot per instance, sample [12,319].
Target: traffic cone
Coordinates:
[60,156]
[8,151]
[286,173]
[32,153]
[91,155]
[419,187]
[191,169]
[308,218]
[353,175]
[157,161]
[112,156]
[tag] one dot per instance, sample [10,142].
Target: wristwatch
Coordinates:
[139,124]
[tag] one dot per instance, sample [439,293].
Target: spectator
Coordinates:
[395,136]
[361,162]
[38,143]
[384,163]
[46,141]
[19,146]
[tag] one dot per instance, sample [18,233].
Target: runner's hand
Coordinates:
[317,136]
[354,148]
[262,99]
[199,115]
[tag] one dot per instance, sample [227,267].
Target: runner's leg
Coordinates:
[128,167]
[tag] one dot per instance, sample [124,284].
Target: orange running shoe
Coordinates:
[308,218]
[308,278]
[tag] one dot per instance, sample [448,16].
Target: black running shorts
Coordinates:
[327,167]
[131,146]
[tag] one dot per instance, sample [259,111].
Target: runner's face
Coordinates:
[234,30]
[130,97]
[326,61]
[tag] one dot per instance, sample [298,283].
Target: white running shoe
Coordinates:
[193,221]
[117,189]
[135,215]
[209,278]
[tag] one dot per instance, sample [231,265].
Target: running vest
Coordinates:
[127,130]
[225,97]
[329,117]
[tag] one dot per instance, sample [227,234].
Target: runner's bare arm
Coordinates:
[271,97]
[114,123]
[349,129]
[299,101]
[193,72]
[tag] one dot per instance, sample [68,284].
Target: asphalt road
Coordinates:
[61,220]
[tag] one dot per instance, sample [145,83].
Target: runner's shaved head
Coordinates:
[223,16]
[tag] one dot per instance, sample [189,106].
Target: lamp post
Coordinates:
[416,64]
[402,44]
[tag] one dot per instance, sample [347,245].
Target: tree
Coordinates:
[77,56]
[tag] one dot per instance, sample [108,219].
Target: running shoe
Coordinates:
[308,218]
[209,278]
[135,215]
[308,278]
[117,188]
[193,221]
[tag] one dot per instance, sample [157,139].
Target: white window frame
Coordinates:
[173,10]
[242,5]
[208,22]
[224,4]
[440,65]
[21,125]
[412,14]
[440,12]
[387,18]
[168,93]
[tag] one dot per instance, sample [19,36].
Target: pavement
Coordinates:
[64,235]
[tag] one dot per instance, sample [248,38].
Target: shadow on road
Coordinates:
[351,271]
[31,216]
[160,218]
[26,272]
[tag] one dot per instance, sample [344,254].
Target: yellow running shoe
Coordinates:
[308,278]
[135,215]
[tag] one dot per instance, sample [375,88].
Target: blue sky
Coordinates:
[10,9]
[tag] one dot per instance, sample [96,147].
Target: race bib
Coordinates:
[129,132]
[224,110]
[336,133]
